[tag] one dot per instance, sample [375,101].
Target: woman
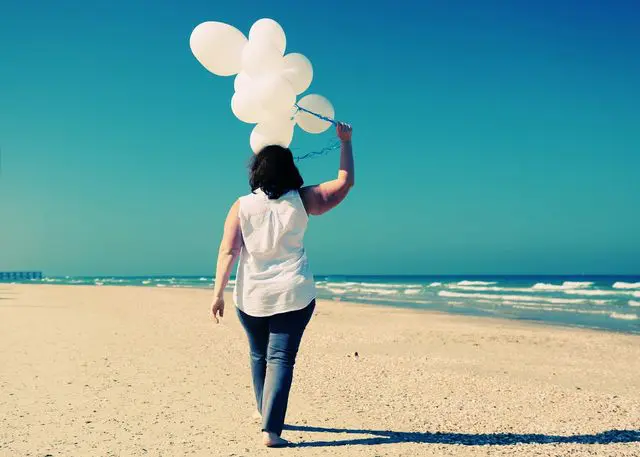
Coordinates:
[275,291]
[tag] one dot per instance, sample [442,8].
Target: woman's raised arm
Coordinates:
[321,198]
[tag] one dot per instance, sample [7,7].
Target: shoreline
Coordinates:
[363,303]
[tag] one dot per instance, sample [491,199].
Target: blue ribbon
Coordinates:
[319,116]
[332,146]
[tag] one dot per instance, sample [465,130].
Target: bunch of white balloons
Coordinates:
[267,81]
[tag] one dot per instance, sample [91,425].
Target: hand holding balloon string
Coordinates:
[344,131]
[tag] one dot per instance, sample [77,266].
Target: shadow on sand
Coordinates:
[466,439]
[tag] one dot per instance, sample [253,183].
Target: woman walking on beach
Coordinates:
[275,291]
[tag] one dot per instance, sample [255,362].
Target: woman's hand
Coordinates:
[344,131]
[217,307]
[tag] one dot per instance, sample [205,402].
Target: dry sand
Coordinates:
[123,371]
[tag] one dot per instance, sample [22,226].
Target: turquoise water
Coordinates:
[601,302]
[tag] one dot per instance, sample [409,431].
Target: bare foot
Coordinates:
[272,440]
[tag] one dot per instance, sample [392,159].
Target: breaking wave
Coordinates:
[624,316]
[626,285]
[567,285]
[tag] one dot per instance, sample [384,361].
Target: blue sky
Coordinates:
[490,137]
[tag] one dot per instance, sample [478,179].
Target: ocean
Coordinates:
[599,302]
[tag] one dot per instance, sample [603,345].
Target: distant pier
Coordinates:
[19,275]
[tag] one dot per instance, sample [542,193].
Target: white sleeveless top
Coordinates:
[273,272]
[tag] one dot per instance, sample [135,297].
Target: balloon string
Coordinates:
[330,147]
[319,116]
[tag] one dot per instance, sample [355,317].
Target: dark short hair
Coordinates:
[274,171]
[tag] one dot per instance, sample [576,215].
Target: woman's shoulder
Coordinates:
[253,195]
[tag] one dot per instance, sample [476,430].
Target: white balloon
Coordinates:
[247,108]
[319,105]
[218,47]
[298,71]
[273,132]
[268,30]
[275,94]
[260,57]
[242,82]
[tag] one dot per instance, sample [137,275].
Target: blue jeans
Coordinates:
[273,345]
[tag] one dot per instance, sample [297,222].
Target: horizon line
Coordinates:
[415,275]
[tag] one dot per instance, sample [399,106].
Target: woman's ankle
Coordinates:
[271,439]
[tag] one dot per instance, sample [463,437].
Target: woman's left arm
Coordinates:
[230,248]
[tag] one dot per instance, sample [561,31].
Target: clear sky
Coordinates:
[490,136]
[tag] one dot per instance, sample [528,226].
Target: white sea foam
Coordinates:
[634,303]
[564,286]
[391,300]
[412,291]
[474,288]
[593,292]
[435,284]
[337,291]
[446,293]
[161,285]
[370,288]
[540,288]
[544,307]
[626,285]
[355,286]
[624,316]
[475,283]
[203,279]
[535,306]
[490,288]
[636,294]
[367,290]
[385,285]
[577,284]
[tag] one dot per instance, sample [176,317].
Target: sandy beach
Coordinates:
[126,371]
